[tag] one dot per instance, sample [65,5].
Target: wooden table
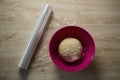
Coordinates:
[101,18]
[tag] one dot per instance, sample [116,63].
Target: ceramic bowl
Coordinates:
[87,44]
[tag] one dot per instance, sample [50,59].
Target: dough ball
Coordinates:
[70,49]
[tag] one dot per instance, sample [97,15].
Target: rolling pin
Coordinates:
[36,35]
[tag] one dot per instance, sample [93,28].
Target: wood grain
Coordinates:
[101,18]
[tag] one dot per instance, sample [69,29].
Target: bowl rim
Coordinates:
[71,70]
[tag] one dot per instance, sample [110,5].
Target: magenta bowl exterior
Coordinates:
[87,43]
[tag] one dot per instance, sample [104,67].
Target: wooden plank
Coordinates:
[101,18]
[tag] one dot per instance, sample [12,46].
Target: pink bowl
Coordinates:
[87,43]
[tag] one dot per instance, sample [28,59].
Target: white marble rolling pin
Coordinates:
[36,35]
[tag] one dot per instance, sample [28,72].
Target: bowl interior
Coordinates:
[87,43]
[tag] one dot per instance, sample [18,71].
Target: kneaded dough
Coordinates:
[70,47]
